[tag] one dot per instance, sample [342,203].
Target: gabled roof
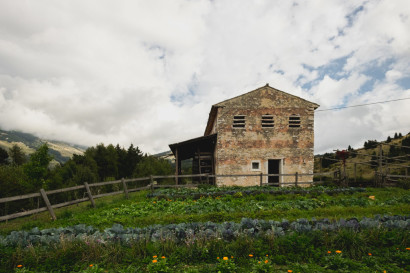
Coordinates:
[214,108]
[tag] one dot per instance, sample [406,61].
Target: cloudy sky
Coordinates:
[147,72]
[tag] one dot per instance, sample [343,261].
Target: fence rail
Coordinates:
[150,186]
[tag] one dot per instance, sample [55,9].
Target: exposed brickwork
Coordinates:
[236,148]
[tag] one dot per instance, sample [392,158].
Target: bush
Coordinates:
[404,183]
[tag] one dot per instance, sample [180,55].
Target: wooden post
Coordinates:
[407,171]
[176,166]
[90,196]
[296,179]
[320,166]
[50,209]
[340,177]
[207,178]
[151,182]
[261,179]
[381,164]
[124,185]
[355,177]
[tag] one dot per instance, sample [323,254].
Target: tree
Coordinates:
[328,159]
[4,156]
[151,165]
[37,167]
[406,142]
[122,161]
[17,156]
[396,136]
[106,159]
[370,144]
[388,139]
[134,156]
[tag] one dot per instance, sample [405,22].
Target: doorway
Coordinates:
[274,168]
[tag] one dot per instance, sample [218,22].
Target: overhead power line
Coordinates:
[359,105]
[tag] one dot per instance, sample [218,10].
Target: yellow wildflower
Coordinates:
[372,197]
[154,261]
[20,266]
[163,257]
[225,258]
[251,255]
[266,261]
[370,254]
[338,251]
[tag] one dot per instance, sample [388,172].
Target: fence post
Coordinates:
[296,179]
[261,179]
[50,209]
[207,178]
[355,176]
[124,185]
[90,196]
[320,176]
[151,182]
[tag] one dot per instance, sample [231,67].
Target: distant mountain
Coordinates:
[61,151]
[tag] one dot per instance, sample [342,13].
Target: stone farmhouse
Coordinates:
[263,131]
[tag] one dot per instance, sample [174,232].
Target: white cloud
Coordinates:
[147,72]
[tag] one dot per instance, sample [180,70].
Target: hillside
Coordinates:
[61,151]
[366,159]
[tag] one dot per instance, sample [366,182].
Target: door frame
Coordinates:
[280,170]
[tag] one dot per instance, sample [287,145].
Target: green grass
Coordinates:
[141,211]
[296,252]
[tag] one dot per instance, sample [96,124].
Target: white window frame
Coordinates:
[259,165]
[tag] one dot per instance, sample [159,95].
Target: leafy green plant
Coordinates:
[158,265]
[226,265]
[262,266]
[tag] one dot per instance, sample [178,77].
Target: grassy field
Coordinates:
[214,230]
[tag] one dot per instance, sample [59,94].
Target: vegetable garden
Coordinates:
[209,229]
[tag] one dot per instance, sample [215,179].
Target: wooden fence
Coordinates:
[151,185]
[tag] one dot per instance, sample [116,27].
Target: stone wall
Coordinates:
[237,148]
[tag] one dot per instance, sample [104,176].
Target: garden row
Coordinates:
[199,192]
[180,233]
[237,232]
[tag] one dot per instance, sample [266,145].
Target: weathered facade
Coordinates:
[263,131]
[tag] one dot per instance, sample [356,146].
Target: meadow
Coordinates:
[208,229]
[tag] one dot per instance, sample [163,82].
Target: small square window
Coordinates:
[256,165]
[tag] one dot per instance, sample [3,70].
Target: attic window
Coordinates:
[294,121]
[268,121]
[238,121]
